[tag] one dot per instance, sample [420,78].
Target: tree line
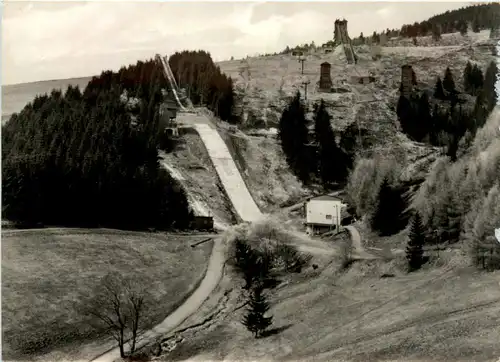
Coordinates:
[204,81]
[458,199]
[79,159]
[446,127]
[316,156]
[482,16]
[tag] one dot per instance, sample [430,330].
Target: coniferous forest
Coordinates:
[204,81]
[480,16]
[448,118]
[90,158]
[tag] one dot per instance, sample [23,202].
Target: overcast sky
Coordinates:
[53,40]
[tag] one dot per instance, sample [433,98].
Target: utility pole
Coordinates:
[302,60]
[305,83]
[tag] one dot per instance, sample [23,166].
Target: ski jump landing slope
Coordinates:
[218,152]
[225,166]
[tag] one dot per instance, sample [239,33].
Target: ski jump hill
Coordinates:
[219,154]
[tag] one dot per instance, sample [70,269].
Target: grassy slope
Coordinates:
[437,314]
[264,169]
[191,160]
[46,273]
[260,86]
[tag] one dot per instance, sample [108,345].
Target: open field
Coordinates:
[445,314]
[16,96]
[45,274]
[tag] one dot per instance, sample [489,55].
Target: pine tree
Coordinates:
[490,79]
[477,79]
[448,82]
[387,216]
[255,320]
[467,78]
[476,28]
[424,126]
[331,161]
[406,115]
[293,134]
[361,38]
[439,90]
[462,27]
[436,32]
[246,262]
[414,249]
[480,112]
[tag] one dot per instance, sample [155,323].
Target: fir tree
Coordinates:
[414,249]
[476,28]
[480,112]
[467,77]
[246,262]
[387,216]
[490,79]
[293,134]
[331,160]
[424,126]
[473,79]
[84,154]
[435,125]
[406,116]
[462,27]
[436,32]
[438,90]
[448,82]
[255,320]
[477,79]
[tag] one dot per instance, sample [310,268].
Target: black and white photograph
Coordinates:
[219,181]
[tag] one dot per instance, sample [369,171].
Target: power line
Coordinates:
[305,83]
[302,60]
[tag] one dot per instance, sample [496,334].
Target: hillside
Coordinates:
[101,157]
[16,96]
[265,84]
[47,286]
[443,313]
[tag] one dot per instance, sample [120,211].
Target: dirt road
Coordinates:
[190,306]
[359,250]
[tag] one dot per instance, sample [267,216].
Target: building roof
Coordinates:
[325,198]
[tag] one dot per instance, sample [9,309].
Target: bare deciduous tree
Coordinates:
[118,305]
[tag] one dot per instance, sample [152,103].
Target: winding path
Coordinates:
[244,206]
[359,250]
[190,306]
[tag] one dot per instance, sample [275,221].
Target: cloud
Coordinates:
[49,40]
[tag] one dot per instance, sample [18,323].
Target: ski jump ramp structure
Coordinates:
[219,154]
[345,41]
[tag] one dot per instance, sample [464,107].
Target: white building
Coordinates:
[323,213]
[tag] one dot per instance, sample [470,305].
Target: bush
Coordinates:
[365,180]
[268,241]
